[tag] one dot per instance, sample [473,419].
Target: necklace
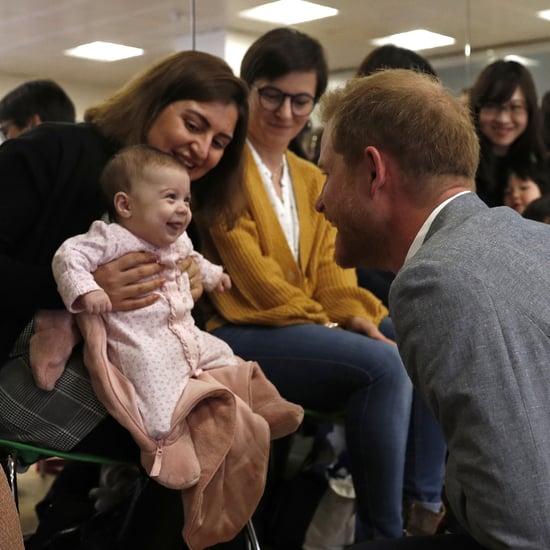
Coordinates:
[274,176]
[277,175]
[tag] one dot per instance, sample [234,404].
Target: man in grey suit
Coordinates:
[470,302]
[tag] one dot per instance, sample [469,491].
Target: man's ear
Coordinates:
[34,120]
[122,204]
[376,165]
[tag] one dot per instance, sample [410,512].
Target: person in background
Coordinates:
[32,103]
[390,56]
[504,107]
[426,449]
[522,188]
[189,105]
[409,206]
[323,341]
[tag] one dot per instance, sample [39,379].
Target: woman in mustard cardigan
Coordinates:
[323,341]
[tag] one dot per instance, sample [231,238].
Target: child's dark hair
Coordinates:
[539,209]
[529,172]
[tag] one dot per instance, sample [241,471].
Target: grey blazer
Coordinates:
[472,316]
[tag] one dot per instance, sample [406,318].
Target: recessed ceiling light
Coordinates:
[419,39]
[289,12]
[104,51]
[544,14]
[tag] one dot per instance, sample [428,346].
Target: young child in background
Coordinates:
[521,189]
[158,348]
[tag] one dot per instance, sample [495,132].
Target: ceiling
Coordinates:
[34,33]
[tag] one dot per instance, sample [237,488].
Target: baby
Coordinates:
[157,347]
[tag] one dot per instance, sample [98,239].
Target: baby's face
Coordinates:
[519,193]
[160,205]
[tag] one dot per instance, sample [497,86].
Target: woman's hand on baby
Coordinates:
[130,280]
[193,272]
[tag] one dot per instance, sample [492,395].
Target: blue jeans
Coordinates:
[331,370]
[426,448]
[425,458]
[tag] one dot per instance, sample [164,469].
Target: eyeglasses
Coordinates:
[271,99]
[513,109]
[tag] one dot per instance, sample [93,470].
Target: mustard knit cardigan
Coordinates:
[269,287]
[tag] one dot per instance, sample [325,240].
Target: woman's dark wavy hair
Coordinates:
[496,84]
[127,116]
[281,51]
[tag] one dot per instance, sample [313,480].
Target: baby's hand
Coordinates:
[96,301]
[224,284]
